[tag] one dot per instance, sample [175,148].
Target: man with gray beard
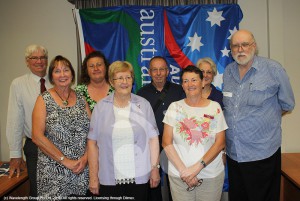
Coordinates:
[257,92]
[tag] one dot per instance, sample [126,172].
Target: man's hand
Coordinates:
[15,165]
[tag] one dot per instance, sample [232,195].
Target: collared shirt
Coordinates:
[174,93]
[23,93]
[253,109]
[144,127]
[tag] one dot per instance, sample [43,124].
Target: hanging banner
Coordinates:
[181,34]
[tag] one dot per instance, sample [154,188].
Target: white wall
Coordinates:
[275,25]
[50,23]
[291,59]
[255,19]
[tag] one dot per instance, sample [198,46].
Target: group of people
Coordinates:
[101,139]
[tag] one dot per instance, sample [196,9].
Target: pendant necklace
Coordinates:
[64,102]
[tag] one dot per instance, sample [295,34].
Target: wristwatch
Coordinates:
[156,166]
[203,163]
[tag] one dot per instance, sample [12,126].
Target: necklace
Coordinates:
[64,102]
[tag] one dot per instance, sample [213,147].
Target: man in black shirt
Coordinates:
[160,93]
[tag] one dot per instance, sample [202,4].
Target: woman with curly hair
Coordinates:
[94,84]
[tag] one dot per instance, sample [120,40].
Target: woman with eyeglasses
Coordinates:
[209,70]
[209,91]
[123,148]
[194,135]
[94,84]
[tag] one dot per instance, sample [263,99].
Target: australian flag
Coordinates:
[181,34]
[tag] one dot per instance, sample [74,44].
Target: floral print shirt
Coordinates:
[83,89]
[194,132]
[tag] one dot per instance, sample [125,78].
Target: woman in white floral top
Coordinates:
[94,78]
[194,136]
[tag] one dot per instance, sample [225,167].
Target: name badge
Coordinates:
[227,94]
[208,116]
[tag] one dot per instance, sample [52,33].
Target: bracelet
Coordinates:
[61,158]
[203,163]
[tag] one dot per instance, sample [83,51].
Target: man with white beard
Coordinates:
[257,92]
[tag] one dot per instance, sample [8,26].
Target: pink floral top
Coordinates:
[194,132]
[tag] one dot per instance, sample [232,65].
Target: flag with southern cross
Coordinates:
[181,34]
[197,31]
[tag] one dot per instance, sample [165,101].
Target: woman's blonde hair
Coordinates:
[210,62]
[119,66]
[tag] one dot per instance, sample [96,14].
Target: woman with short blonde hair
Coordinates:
[123,148]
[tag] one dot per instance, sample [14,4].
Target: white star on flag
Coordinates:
[232,32]
[225,52]
[195,42]
[218,80]
[215,17]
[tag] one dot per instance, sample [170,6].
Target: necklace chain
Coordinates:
[64,102]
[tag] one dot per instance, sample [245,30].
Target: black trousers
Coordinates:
[255,181]
[137,192]
[155,193]
[30,151]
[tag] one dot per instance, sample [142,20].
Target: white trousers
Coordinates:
[210,189]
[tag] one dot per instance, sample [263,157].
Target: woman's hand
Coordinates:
[154,177]
[82,164]
[94,186]
[93,153]
[193,182]
[188,174]
[73,165]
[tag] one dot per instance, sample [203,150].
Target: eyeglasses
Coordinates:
[243,46]
[121,79]
[200,181]
[206,72]
[35,59]
[155,70]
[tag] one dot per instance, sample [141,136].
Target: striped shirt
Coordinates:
[253,109]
